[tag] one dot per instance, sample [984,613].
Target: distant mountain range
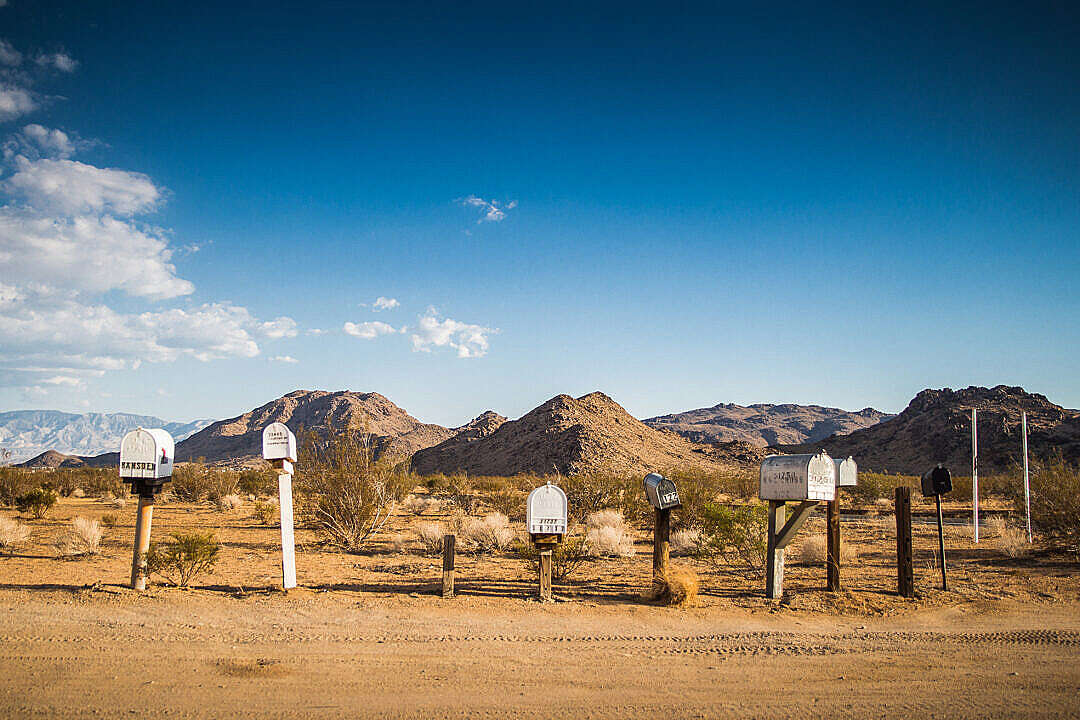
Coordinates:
[764,425]
[27,433]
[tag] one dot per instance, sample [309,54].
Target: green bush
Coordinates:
[257,482]
[737,535]
[183,559]
[99,482]
[37,502]
[15,482]
[566,557]
[1055,500]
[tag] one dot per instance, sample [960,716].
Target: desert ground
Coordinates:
[368,635]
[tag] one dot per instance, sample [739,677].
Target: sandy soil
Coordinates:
[365,635]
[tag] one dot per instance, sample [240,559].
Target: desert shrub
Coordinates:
[265,512]
[566,557]
[698,489]
[812,550]
[737,535]
[97,482]
[228,502]
[1012,541]
[257,482]
[349,494]
[418,505]
[430,535]
[110,519]
[183,558]
[459,494]
[685,542]
[490,534]
[875,487]
[677,587]
[12,534]
[1055,500]
[81,539]
[591,492]
[36,502]
[190,482]
[608,536]
[15,482]
[62,481]
[994,525]
[508,501]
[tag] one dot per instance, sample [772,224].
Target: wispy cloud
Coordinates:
[384,303]
[370,330]
[493,211]
[289,359]
[56,61]
[470,341]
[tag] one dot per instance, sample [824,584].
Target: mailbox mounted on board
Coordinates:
[798,477]
[847,472]
[661,492]
[937,481]
[146,460]
[545,514]
[279,445]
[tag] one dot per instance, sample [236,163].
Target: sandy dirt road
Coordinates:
[106,652]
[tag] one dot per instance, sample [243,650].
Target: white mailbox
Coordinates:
[798,477]
[147,455]
[279,443]
[847,472]
[546,511]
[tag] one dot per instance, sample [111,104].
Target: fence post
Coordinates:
[905,570]
[832,558]
[661,543]
[448,542]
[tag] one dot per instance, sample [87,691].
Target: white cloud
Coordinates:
[285,359]
[281,327]
[15,102]
[52,143]
[384,303]
[470,341]
[86,254]
[69,187]
[9,55]
[59,61]
[315,331]
[493,211]
[369,330]
[63,380]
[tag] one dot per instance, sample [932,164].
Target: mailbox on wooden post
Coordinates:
[847,475]
[807,479]
[279,447]
[545,518]
[664,497]
[936,482]
[146,462]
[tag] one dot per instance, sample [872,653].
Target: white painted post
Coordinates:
[1027,479]
[288,549]
[975,470]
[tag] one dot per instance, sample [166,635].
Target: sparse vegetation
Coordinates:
[184,558]
[677,587]
[1055,501]
[12,534]
[737,536]
[490,534]
[15,482]
[81,539]
[228,502]
[430,535]
[110,519]
[36,502]
[608,535]
[265,512]
[566,557]
[686,542]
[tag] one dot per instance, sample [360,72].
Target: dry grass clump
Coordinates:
[228,502]
[608,536]
[1012,541]
[430,535]
[489,534]
[418,505]
[82,539]
[994,525]
[12,534]
[686,542]
[265,512]
[813,549]
[678,587]
[110,519]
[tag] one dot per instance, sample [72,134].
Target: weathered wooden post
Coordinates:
[146,462]
[279,447]
[664,497]
[846,476]
[905,566]
[805,478]
[937,482]
[545,518]
[448,543]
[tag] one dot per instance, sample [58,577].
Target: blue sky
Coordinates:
[676,204]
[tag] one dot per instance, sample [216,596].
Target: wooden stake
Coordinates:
[941,543]
[661,543]
[774,570]
[288,543]
[142,542]
[905,569]
[832,559]
[448,542]
[545,574]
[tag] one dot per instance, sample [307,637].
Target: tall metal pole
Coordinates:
[1027,478]
[975,470]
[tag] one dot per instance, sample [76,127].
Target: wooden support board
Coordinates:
[774,562]
[832,556]
[448,543]
[288,540]
[905,569]
[545,572]
[661,543]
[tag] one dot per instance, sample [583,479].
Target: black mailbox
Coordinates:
[937,481]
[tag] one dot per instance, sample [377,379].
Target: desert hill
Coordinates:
[391,429]
[764,424]
[566,435]
[53,459]
[936,427]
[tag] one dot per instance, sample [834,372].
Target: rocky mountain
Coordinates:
[29,433]
[391,429]
[764,424]
[936,427]
[567,435]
